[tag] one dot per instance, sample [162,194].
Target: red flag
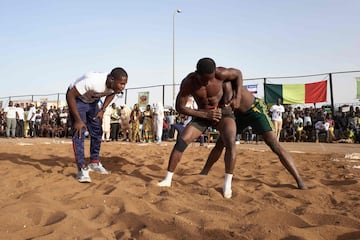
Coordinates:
[315,92]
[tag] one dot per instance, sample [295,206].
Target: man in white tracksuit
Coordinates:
[158,121]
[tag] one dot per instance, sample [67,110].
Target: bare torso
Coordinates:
[207,94]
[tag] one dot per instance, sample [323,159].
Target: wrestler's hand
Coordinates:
[234,104]
[214,114]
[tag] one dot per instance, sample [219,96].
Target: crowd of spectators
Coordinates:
[321,125]
[153,123]
[32,121]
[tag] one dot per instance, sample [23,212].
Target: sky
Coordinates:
[45,45]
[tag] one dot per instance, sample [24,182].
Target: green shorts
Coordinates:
[256,117]
[202,124]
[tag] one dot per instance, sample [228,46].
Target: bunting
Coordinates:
[252,88]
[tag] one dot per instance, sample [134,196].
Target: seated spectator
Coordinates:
[347,136]
[46,130]
[289,133]
[248,134]
[342,122]
[298,126]
[331,122]
[352,121]
[308,132]
[321,127]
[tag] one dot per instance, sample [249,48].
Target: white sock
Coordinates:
[167,180]
[227,185]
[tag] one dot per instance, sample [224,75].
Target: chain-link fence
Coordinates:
[341,89]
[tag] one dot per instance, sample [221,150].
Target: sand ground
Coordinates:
[41,199]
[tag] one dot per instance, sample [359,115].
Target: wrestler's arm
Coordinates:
[235,76]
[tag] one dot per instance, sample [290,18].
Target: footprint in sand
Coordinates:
[350,235]
[334,220]
[337,182]
[55,218]
[92,213]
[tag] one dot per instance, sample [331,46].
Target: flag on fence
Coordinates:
[296,93]
[252,88]
[358,87]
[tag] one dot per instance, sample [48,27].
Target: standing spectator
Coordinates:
[20,121]
[276,116]
[158,121]
[106,124]
[135,123]
[31,119]
[171,119]
[165,132]
[114,123]
[148,124]
[125,112]
[64,121]
[26,124]
[38,122]
[2,123]
[11,115]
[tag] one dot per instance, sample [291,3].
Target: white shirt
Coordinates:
[171,119]
[319,125]
[20,112]
[276,112]
[298,122]
[307,119]
[63,117]
[92,86]
[10,111]
[32,111]
[159,112]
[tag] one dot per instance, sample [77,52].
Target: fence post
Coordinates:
[265,92]
[58,100]
[331,94]
[163,95]
[126,96]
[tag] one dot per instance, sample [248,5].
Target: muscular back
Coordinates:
[247,98]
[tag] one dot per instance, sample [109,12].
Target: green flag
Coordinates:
[358,87]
